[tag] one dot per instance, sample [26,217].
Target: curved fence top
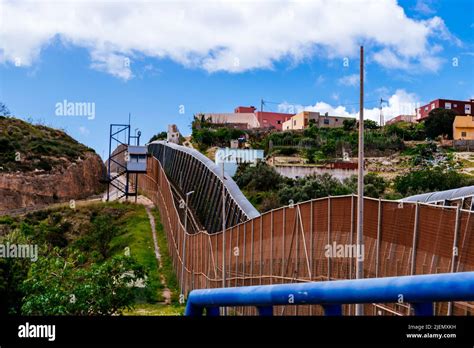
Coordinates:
[247,208]
[448,195]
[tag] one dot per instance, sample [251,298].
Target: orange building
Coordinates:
[463,128]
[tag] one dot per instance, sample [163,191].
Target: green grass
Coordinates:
[167,265]
[157,309]
[136,235]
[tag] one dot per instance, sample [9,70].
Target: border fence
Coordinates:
[314,241]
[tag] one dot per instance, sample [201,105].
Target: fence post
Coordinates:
[311,246]
[379,231]
[415,236]
[244,260]
[271,247]
[237,256]
[455,251]
[329,235]
[413,246]
[283,246]
[229,263]
[377,247]
[261,248]
[251,254]
[351,240]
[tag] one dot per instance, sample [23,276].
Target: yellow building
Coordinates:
[302,120]
[463,128]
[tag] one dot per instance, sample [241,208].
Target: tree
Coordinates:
[406,130]
[159,136]
[13,271]
[440,122]
[374,185]
[4,110]
[260,177]
[311,187]
[369,124]
[349,124]
[429,180]
[59,286]
[99,235]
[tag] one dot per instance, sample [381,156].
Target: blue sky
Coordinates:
[213,56]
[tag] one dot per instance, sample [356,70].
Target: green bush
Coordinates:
[286,151]
[429,180]
[259,177]
[440,122]
[206,137]
[311,187]
[374,185]
[58,286]
[406,130]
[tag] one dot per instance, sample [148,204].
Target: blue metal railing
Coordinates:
[419,290]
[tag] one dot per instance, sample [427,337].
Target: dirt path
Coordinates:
[149,206]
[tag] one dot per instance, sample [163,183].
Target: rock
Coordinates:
[78,181]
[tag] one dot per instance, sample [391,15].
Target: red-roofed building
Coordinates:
[244,109]
[269,119]
[460,107]
[266,119]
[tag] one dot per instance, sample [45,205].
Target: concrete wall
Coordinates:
[301,171]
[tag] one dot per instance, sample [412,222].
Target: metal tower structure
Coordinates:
[119,139]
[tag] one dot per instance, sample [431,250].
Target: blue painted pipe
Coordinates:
[409,289]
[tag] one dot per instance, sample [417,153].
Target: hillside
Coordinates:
[42,165]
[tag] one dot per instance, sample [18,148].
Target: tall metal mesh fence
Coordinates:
[301,243]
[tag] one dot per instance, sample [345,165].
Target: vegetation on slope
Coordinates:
[26,147]
[431,169]
[88,258]
[266,189]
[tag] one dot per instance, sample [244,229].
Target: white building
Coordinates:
[172,134]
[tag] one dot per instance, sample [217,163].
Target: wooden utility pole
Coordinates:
[360,183]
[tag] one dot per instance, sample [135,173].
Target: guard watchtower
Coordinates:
[136,159]
[124,160]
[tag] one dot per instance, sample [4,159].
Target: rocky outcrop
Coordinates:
[78,180]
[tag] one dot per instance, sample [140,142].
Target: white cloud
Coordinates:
[390,59]
[112,63]
[349,80]
[219,35]
[320,80]
[84,131]
[424,7]
[400,103]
